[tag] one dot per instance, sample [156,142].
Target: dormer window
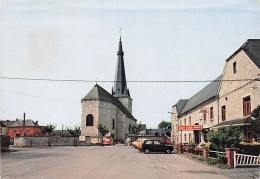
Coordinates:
[234,67]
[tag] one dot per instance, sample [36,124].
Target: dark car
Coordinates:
[156,146]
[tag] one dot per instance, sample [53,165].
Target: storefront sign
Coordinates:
[194,127]
[203,110]
[82,138]
[95,140]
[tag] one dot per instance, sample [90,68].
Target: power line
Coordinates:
[130,81]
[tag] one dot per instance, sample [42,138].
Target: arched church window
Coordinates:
[89,120]
[113,124]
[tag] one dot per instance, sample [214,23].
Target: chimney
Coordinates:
[36,122]
[16,119]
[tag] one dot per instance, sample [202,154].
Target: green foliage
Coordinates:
[200,158]
[221,159]
[211,161]
[255,124]
[256,112]
[167,126]
[74,132]
[135,129]
[207,145]
[103,129]
[49,128]
[225,137]
[249,149]
[192,144]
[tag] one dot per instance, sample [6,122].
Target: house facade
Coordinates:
[227,101]
[3,129]
[112,110]
[22,128]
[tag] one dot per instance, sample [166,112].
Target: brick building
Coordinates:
[227,101]
[112,110]
[21,127]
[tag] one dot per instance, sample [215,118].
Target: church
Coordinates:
[112,110]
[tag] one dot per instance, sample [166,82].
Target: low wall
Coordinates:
[27,141]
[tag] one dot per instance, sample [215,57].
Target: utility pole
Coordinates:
[24,114]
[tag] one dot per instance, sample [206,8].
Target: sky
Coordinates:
[78,40]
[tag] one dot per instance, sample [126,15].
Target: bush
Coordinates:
[211,161]
[221,159]
[192,145]
[225,137]
[249,149]
[207,145]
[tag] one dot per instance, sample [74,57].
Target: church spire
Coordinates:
[120,87]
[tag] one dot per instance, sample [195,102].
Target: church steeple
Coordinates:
[120,87]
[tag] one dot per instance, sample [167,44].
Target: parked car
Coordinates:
[137,141]
[139,145]
[156,146]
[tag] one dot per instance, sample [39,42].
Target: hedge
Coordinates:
[249,149]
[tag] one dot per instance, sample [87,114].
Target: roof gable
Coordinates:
[180,105]
[252,48]
[99,93]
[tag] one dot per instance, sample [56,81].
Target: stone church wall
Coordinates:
[107,112]
[89,107]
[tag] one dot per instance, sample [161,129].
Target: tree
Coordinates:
[135,129]
[225,137]
[49,128]
[167,126]
[255,124]
[103,130]
[74,132]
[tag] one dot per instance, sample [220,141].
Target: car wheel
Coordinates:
[168,151]
[147,151]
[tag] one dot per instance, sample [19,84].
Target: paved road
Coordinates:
[112,162]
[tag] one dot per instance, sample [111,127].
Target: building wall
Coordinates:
[231,93]
[4,131]
[107,112]
[104,113]
[29,131]
[197,117]
[89,107]
[127,102]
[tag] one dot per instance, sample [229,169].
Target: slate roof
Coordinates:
[252,48]
[8,123]
[235,122]
[153,131]
[203,95]
[2,124]
[18,123]
[98,93]
[120,86]
[180,105]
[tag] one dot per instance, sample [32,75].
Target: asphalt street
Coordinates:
[108,162]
